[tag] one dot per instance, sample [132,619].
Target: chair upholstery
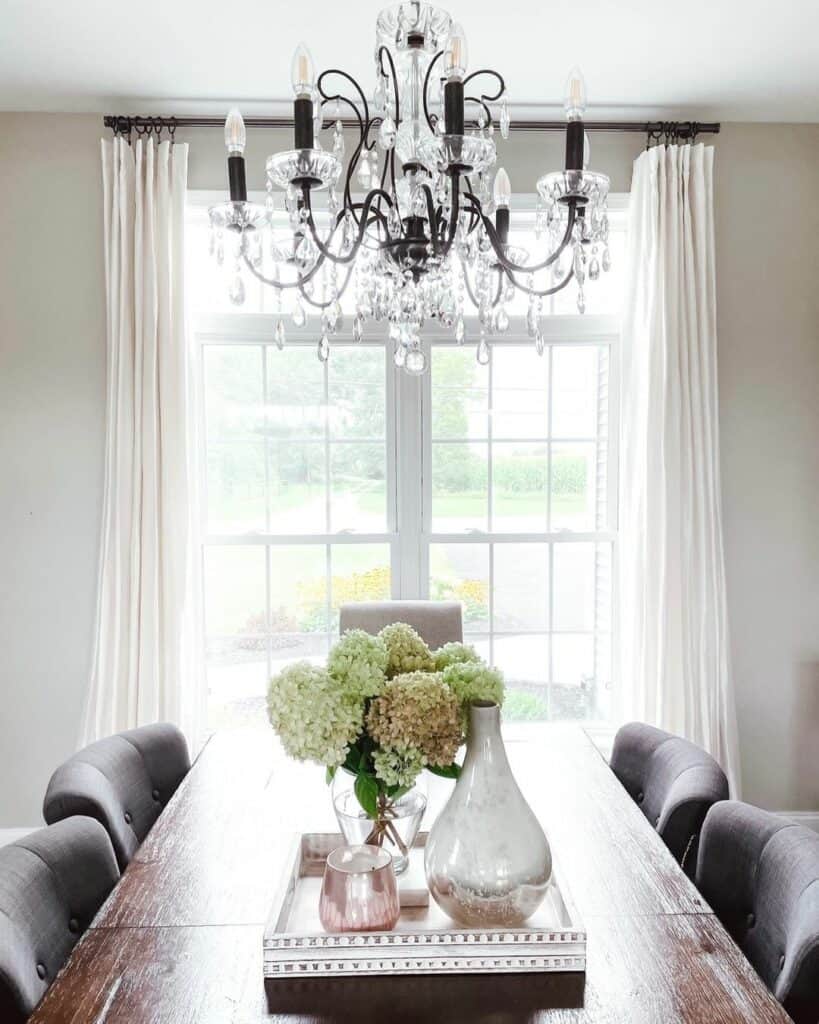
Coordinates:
[123,781]
[436,622]
[52,883]
[674,783]
[760,874]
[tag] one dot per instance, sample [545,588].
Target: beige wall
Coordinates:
[52,407]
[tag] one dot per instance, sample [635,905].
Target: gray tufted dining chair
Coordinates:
[436,622]
[673,782]
[760,874]
[52,883]
[124,781]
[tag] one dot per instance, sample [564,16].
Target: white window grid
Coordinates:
[409,442]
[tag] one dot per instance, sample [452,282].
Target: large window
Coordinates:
[491,485]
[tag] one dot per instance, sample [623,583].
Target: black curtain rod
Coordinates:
[659,130]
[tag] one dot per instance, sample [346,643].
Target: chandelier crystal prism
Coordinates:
[418,225]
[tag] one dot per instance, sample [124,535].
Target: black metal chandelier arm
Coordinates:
[481,103]
[376,216]
[394,75]
[362,225]
[490,97]
[433,220]
[475,211]
[330,97]
[281,285]
[364,123]
[397,108]
[540,293]
[427,77]
[455,211]
[485,98]
[498,246]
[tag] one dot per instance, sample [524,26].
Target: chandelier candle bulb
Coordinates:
[455,56]
[502,194]
[303,80]
[454,70]
[575,98]
[575,104]
[302,73]
[235,139]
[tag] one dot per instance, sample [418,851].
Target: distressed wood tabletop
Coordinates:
[180,938]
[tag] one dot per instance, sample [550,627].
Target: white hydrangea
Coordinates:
[398,766]
[406,650]
[358,663]
[314,718]
[454,653]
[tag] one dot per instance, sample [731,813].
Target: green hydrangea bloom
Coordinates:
[453,654]
[406,651]
[398,766]
[471,681]
[315,720]
[358,663]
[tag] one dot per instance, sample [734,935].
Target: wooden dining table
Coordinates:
[180,938]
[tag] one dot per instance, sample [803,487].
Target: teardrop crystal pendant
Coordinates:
[358,328]
[501,320]
[594,269]
[236,293]
[364,174]
[338,141]
[487,859]
[539,342]
[299,316]
[324,348]
[415,362]
[279,336]
[386,133]
[379,95]
[505,119]
[460,331]
[484,353]
[606,260]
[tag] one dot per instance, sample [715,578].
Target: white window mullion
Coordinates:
[409,471]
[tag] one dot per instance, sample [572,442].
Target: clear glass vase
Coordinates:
[487,859]
[394,828]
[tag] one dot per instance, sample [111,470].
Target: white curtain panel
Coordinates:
[674,648]
[147,661]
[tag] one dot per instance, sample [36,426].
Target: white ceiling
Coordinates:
[745,60]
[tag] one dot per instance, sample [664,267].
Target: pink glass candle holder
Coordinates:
[359,892]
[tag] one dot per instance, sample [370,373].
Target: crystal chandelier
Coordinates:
[414,227]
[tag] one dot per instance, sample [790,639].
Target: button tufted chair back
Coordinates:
[673,782]
[436,622]
[760,874]
[123,781]
[52,883]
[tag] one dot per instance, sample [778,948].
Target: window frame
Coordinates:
[408,444]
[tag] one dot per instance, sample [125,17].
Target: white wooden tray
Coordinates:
[425,940]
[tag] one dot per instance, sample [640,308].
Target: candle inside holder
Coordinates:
[359,892]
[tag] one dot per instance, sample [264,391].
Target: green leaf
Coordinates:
[396,792]
[366,791]
[451,771]
[330,774]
